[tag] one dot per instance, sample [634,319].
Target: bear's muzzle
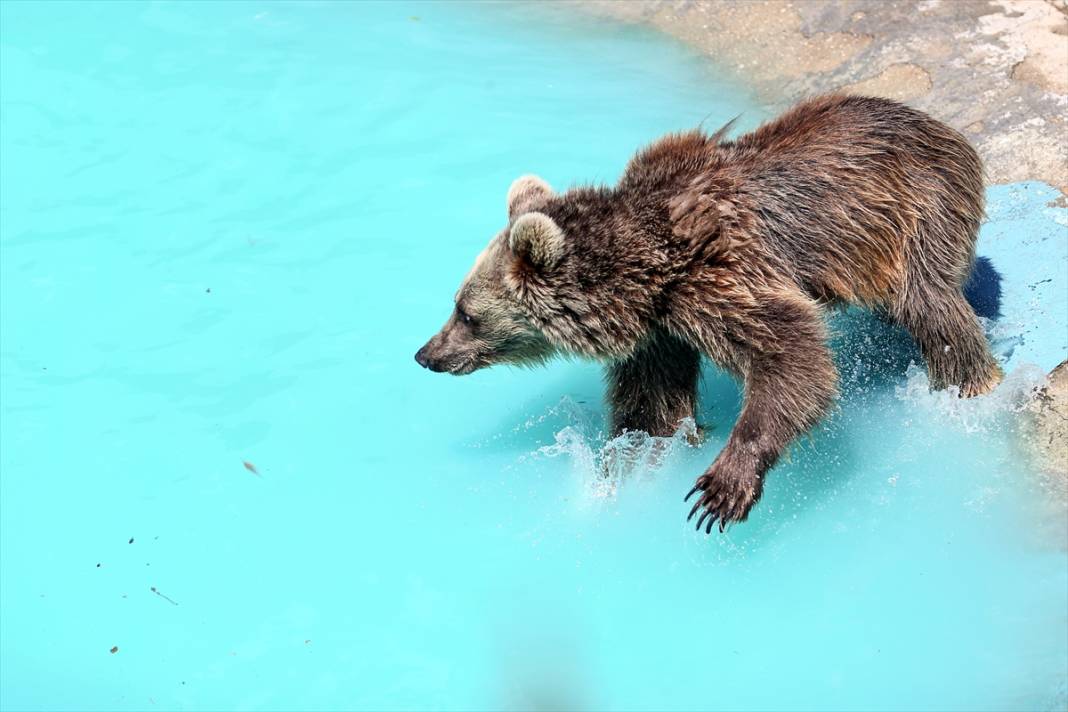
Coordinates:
[426,362]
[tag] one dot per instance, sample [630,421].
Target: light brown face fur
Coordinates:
[488,324]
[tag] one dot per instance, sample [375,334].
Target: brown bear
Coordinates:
[734,249]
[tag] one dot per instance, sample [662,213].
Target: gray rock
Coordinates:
[995,69]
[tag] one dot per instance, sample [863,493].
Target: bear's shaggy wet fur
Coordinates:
[733,249]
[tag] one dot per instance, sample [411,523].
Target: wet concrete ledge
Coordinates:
[997,70]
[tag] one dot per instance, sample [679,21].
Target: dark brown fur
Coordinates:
[731,249]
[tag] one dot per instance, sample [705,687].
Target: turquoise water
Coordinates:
[225,230]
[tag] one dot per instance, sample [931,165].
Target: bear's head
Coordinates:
[495,319]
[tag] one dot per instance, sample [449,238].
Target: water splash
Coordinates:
[982,414]
[631,456]
[1005,336]
[568,409]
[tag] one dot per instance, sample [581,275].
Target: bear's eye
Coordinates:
[464,316]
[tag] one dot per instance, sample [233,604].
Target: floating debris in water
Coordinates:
[251,468]
[114,649]
[167,598]
[131,540]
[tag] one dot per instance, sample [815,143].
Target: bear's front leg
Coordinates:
[656,387]
[780,349]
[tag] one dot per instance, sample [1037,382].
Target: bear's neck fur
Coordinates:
[620,256]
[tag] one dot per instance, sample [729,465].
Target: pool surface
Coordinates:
[225,228]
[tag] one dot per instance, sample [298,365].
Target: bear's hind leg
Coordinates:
[951,340]
[656,387]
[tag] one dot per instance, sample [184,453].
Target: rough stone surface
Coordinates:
[995,69]
[1046,426]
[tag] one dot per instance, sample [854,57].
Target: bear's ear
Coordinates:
[527,193]
[537,240]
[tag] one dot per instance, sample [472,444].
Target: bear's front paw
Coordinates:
[725,496]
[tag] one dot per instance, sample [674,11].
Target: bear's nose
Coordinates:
[421,359]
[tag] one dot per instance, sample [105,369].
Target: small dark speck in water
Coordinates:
[208,290]
[98,566]
[131,541]
[114,649]
[251,468]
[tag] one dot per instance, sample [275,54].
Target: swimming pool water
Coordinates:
[226,228]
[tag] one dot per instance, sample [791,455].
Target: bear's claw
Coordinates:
[701,520]
[723,499]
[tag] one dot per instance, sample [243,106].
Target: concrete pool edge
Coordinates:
[993,70]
